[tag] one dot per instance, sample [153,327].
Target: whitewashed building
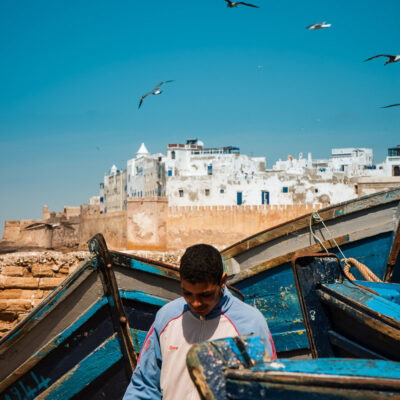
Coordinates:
[190,174]
[391,165]
[113,191]
[145,174]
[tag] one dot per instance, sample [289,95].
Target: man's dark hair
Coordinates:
[201,263]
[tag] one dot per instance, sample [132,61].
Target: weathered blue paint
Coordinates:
[91,367]
[342,318]
[334,366]
[390,291]
[273,292]
[140,336]
[152,269]
[73,328]
[235,369]
[376,303]
[80,339]
[27,392]
[372,252]
[143,297]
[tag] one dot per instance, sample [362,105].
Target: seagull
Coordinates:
[391,59]
[392,105]
[319,25]
[42,225]
[155,91]
[234,4]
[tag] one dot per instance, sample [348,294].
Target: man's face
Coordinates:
[201,297]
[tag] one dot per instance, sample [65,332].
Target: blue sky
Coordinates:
[72,74]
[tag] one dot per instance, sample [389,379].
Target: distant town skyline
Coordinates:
[73,75]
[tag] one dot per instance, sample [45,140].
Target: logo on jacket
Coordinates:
[173,347]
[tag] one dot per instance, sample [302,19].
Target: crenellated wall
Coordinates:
[225,225]
[149,224]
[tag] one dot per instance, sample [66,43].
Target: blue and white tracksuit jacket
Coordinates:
[161,372]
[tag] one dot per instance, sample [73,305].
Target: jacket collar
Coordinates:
[221,307]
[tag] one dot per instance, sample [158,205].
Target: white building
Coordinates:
[192,175]
[113,191]
[146,176]
[351,160]
[211,176]
[391,165]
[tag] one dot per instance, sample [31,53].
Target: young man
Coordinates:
[207,311]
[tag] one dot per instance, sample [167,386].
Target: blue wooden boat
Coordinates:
[357,320]
[366,229]
[345,318]
[82,341]
[238,369]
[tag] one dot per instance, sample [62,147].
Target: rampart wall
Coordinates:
[112,225]
[225,225]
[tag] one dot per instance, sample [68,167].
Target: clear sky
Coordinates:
[72,73]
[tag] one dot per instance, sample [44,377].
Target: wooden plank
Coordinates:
[352,347]
[92,367]
[328,214]
[393,256]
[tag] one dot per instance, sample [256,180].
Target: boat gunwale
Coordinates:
[53,296]
[10,336]
[308,378]
[328,214]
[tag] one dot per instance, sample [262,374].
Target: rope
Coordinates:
[348,262]
[364,270]
[237,291]
[318,218]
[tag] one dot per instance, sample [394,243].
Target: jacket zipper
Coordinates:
[202,326]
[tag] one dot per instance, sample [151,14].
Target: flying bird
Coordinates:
[319,25]
[42,225]
[391,59]
[392,105]
[233,4]
[155,91]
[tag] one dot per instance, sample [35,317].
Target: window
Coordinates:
[173,155]
[207,192]
[239,198]
[180,193]
[396,170]
[264,197]
[316,190]
[222,190]
[170,172]
[209,170]
[101,200]
[285,189]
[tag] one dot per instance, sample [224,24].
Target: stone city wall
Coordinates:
[223,226]
[12,229]
[112,225]
[147,220]
[27,278]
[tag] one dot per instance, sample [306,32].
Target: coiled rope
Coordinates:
[364,270]
[348,262]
